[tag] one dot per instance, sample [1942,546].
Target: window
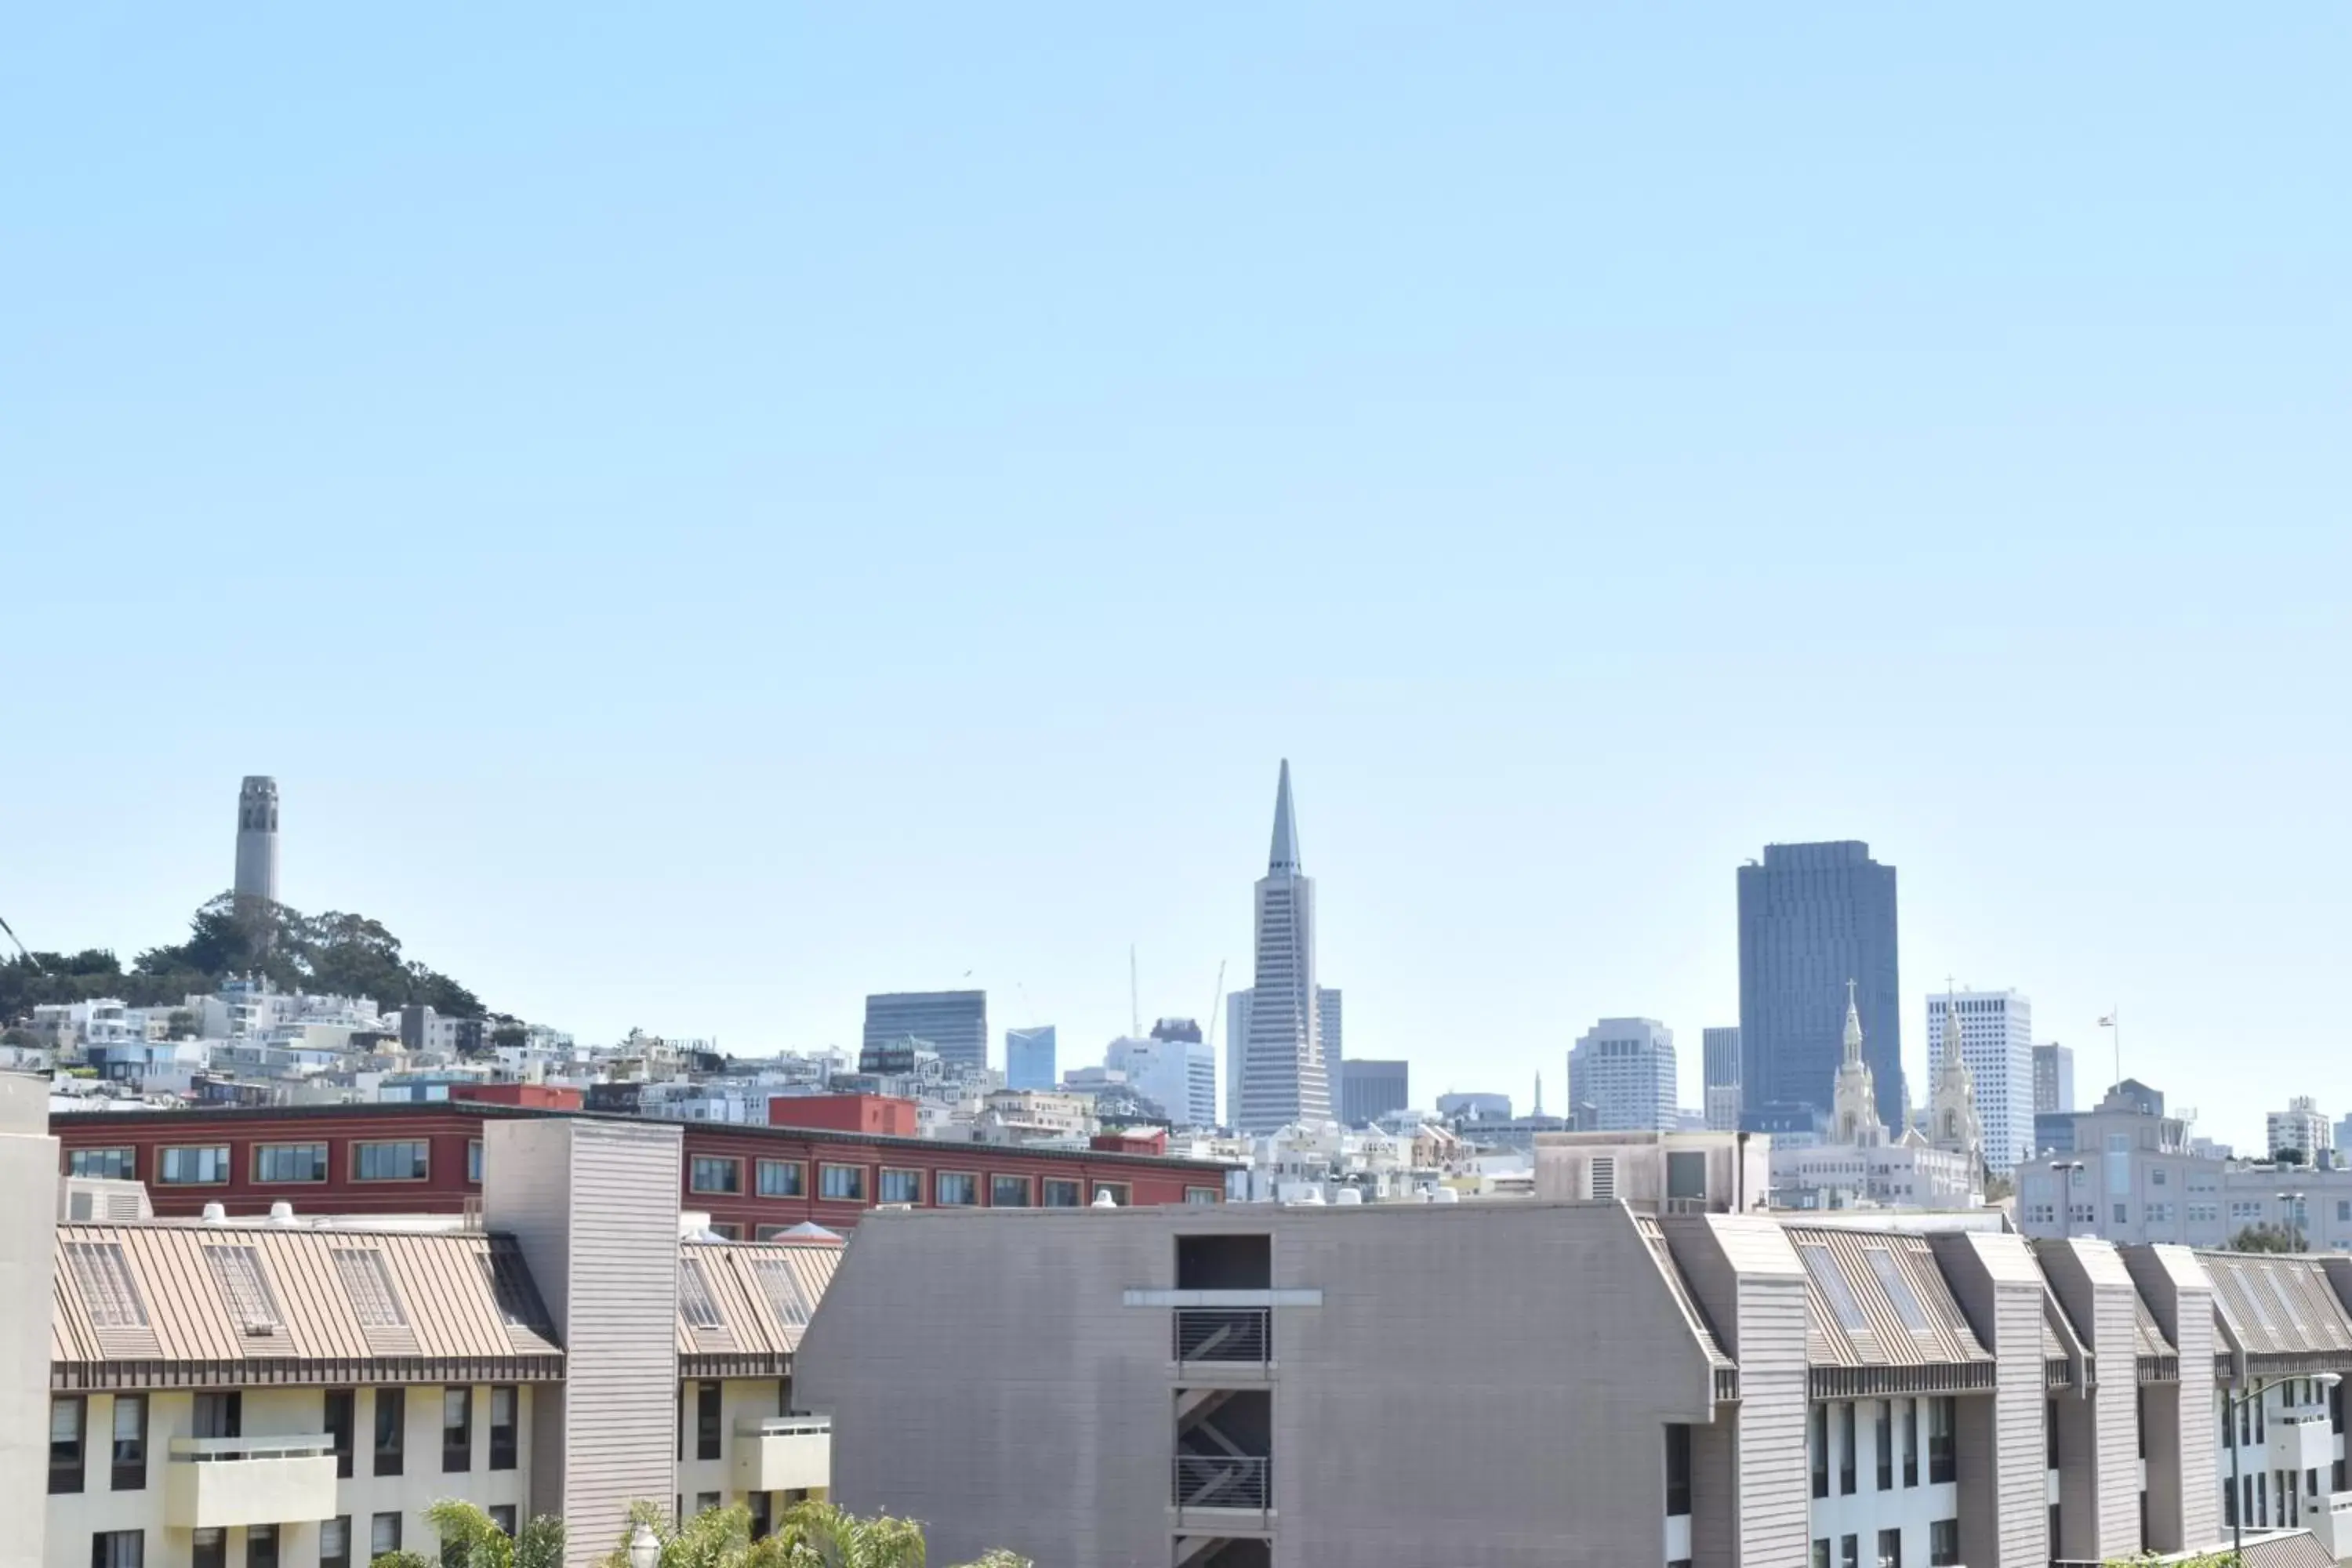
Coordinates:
[955,1189]
[1203,1196]
[457,1430]
[705,1502]
[1845,1448]
[1062,1195]
[1890,1549]
[261,1546]
[209,1549]
[1820,1555]
[335,1542]
[118,1549]
[843,1183]
[473,1161]
[391,1441]
[203,1167]
[706,1421]
[338,1426]
[1910,1442]
[405,1161]
[1898,1290]
[503,1516]
[1834,1287]
[2159,1213]
[244,1288]
[290,1163]
[130,1443]
[2122,1215]
[1115,1191]
[711,1174]
[694,1297]
[1939,1439]
[1678,1470]
[502,1427]
[1817,1446]
[901,1186]
[111,1164]
[786,1299]
[368,1285]
[69,1417]
[1848,1552]
[1944,1543]
[219,1414]
[761,1524]
[1008,1191]
[383,1535]
[783,1179]
[1886,1445]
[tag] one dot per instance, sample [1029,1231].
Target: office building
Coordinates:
[1200,1099]
[1672,1378]
[954,1023]
[1371,1089]
[1997,1042]
[296,1392]
[1719,1089]
[1624,1068]
[1812,917]
[256,841]
[2300,1128]
[2054,1079]
[1328,1011]
[1175,1073]
[1282,1074]
[1029,1058]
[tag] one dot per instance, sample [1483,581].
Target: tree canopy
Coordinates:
[2267,1238]
[810,1535]
[343,954]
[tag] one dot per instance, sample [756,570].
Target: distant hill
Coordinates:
[339,953]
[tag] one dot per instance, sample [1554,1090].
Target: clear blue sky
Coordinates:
[708,513]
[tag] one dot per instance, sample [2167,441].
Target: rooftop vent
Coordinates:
[215,1214]
[281,1212]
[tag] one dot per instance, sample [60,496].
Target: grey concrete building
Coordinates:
[954,1023]
[2054,1079]
[1261,1385]
[256,841]
[1812,917]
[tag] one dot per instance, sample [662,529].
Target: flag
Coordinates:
[2108,1022]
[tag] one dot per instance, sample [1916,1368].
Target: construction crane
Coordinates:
[21,948]
[1217,1006]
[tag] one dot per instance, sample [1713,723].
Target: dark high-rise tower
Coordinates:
[1812,917]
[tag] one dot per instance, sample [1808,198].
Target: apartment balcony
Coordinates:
[1221,1486]
[783,1453]
[2302,1441]
[1229,1337]
[213,1483]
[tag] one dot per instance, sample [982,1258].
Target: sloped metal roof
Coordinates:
[1655,1235]
[164,1296]
[761,1294]
[1877,1299]
[2278,1305]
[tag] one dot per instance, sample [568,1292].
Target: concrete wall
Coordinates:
[1419,1416]
[28,1174]
[594,1205]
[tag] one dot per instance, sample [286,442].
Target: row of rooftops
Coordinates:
[173,1304]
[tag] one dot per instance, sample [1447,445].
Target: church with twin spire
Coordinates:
[1937,1162]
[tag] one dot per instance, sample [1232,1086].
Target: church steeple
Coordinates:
[1952,1114]
[1853,1102]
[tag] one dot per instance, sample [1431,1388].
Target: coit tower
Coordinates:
[256,841]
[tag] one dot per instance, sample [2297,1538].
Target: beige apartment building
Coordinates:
[1510,1383]
[295,1392]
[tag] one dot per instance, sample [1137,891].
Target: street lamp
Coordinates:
[2232,1408]
[644,1547]
[2066,1171]
[2293,1203]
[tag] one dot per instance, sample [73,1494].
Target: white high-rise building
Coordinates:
[1282,1074]
[1624,1069]
[1997,1046]
[1327,1004]
[2302,1128]
[1172,1066]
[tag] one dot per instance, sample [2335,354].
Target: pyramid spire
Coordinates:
[1285,855]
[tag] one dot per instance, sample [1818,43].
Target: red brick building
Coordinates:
[426,1159]
[880,1113]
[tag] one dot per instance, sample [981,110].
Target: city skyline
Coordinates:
[720,517]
